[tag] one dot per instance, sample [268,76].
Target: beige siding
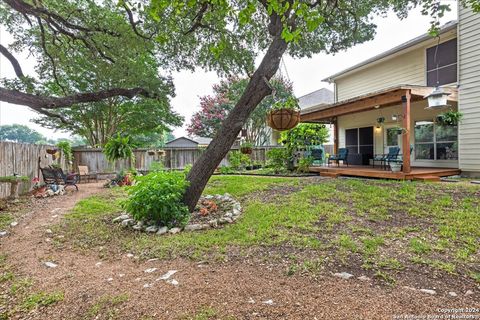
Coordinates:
[469,91]
[403,68]
[368,118]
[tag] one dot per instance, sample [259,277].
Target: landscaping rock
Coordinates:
[174,230]
[364,278]
[147,285]
[452,294]
[251,301]
[429,291]
[49,231]
[151,229]
[128,222]
[150,270]
[269,302]
[173,281]
[121,218]
[469,293]
[193,227]
[50,264]
[167,275]
[162,230]
[3,233]
[213,223]
[228,215]
[129,255]
[14,224]
[343,275]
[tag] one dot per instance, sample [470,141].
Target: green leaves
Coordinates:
[118,148]
[158,197]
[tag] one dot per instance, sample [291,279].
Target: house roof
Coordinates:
[452,25]
[181,138]
[202,140]
[318,97]
[197,140]
[380,98]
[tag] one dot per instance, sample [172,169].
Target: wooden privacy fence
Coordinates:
[24,159]
[172,158]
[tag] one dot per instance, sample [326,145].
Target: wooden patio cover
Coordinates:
[399,95]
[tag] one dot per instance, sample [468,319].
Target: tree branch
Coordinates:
[38,102]
[15,64]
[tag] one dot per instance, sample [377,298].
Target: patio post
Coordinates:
[335,136]
[406,134]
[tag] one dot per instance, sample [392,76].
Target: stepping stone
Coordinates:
[50,264]
[432,292]
[343,275]
[167,275]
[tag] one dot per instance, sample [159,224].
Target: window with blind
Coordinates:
[435,142]
[444,67]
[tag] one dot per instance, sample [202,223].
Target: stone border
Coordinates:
[230,216]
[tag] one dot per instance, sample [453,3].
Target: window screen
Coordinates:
[444,68]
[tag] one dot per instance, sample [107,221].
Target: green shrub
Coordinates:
[158,197]
[238,160]
[277,159]
[304,164]
[157,166]
[226,170]
[66,148]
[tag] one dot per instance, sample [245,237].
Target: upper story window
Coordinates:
[444,69]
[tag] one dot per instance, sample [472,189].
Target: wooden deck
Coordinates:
[417,173]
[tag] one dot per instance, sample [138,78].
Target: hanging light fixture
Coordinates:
[437,99]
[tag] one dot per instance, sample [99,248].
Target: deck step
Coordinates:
[329,174]
[427,178]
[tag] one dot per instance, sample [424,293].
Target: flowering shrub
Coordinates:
[158,197]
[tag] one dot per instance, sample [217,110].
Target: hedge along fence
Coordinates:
[25,160]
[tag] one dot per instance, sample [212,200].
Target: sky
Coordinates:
[306,74]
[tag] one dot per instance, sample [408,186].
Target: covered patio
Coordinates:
[407,105]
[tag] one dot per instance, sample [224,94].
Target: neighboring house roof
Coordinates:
[188,142]
[203,140]
[316,98]
[452,25]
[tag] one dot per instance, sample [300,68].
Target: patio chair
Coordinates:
[85,174]
[55,176]
[396,160]
[318,155]
[341,156]
[384,158]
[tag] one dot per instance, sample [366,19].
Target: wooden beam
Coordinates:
[406,101]
[355,106]
[335,136]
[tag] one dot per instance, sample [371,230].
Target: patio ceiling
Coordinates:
[383,98]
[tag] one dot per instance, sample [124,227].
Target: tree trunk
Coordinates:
[256,90]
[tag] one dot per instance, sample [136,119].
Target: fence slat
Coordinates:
[24,159]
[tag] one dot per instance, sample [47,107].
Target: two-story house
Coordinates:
[381,102]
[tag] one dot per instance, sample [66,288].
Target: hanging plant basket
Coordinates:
[449,118]
[283,119]
[52,151]
[151,152]
[246,150]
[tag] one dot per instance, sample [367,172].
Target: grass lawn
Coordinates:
[391,231]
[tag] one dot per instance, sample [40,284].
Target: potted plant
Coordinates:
[395,166]
[399,130]
[449,118]
[284,114]
[381,120]
[151,152]
[246,147]
[52,151]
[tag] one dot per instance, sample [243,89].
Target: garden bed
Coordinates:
[270,173]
